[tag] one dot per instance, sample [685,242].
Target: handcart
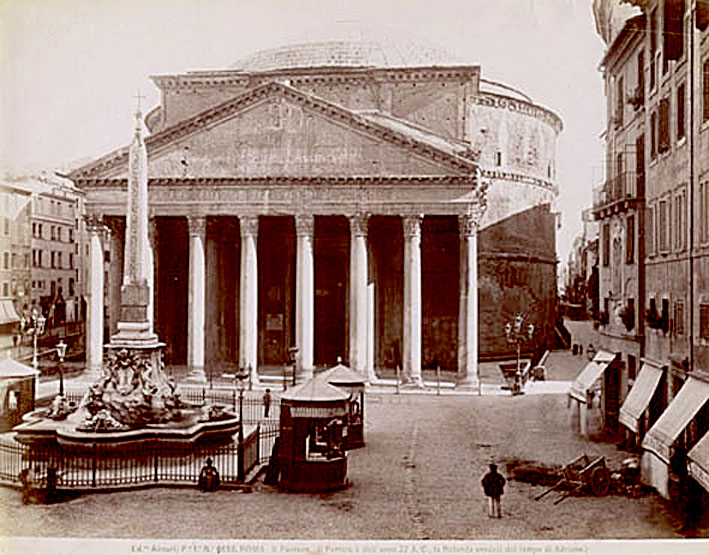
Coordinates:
[583,474]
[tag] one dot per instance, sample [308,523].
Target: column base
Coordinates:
[196,375]
[467,384]
[303,375]
[92,375]
[413,383]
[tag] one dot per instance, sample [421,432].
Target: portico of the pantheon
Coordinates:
[329,196]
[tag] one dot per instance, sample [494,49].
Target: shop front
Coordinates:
[585,403]
[634,413]
[664,447]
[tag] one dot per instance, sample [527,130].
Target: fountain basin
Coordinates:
[38,429]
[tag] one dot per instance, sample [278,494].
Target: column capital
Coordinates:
[248,226]
[197,225]
[359,225]
[412,226]
[468,225]
[304,225]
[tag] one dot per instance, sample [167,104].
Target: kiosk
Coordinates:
[17,391]
[353,384]
[312,454]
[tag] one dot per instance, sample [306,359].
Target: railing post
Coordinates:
[155,460]
[93,466]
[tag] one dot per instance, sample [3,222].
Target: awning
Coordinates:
[588,376]
[8,314]
[679,413]
[699,462]
[640,394]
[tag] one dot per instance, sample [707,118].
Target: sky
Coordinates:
[70,69]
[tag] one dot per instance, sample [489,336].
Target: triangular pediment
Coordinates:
[275,131]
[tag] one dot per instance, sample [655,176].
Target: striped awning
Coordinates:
[686,404]
[698,458]
[589,375]
[8,314]
[639,397]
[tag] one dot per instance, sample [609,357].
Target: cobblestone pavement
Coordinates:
[417,478]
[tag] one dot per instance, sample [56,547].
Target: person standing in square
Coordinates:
[493,486]
[266,403]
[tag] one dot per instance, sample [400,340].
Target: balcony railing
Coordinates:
[623,186]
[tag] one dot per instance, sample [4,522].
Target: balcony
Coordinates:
[618,194]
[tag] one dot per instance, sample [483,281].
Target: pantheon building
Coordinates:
[352,199]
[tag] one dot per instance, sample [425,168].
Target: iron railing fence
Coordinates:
[139,464]
[253,409]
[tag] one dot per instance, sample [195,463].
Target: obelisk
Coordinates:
[135,327]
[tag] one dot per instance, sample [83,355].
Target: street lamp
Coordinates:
[293,359]
[38,321]
[241,474]
[61,353]
[517,334]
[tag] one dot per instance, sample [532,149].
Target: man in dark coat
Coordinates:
[493,486]
[208,477]
[266,403]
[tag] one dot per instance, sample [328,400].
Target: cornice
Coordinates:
[518,177]
[519,106]
[232,78]
[283,181]
[225,110]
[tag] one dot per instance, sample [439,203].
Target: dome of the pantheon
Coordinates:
[349,45]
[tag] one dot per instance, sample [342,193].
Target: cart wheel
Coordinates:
[600,481]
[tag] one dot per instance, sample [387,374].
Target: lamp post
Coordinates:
[517,333]
[293,359]
[241,474]
[38,322]
[61,353]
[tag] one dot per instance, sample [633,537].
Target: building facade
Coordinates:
[656,72]
[327,197]
[14,265]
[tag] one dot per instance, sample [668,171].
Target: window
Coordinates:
[39,231]
[630,239]
[679,318]
[662,227]
[632,366]
[650,230]
[71,235]
[653,134]
[498,158]
[53,233]
[34,230]
[620,101]
[681,112]
[665,312]
[673,32]
[14,260]
[71,260]
[59,260]
[704,321]
[706,90]
[653,47]
[663,141]
[606,244]
[71,287]
[680,233]
[704,211]
[52,259]
[6,289]
[6,260]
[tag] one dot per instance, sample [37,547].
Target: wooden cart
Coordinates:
[582,474]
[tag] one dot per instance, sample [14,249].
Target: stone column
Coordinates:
[94,325]
[305,295]
[248,301]
[412,302]
[196,300]
[358,294]
[468,376]
[152,268]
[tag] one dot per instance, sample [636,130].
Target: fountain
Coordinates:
[134,399]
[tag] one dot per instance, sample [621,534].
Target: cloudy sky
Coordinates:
[70,69]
